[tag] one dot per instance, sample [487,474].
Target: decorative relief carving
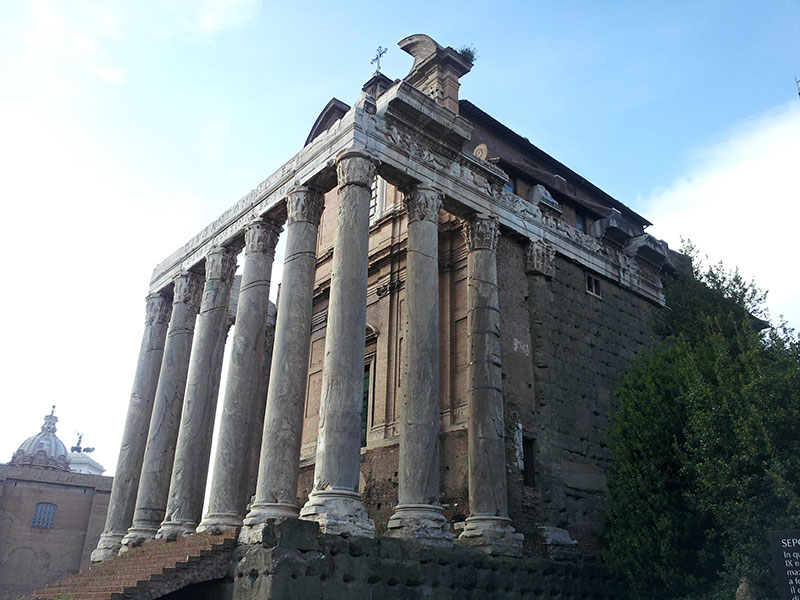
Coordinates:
[423,204]
[389,287]
[414,145]
[188,289]
[539,257]
[626,269]
[159,308]
[221,264]
[436,91]
[355,168]
[304,204]
[261,236]
[481,151]
[480,233]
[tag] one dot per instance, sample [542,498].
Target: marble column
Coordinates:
[334,501]
[276,492]
[137,423]
[228,499]
[190,469]
[254,453]
[418,514]
[151,499]
[488,526]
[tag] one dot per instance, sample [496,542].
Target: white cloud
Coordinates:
[211,17]
[740,203]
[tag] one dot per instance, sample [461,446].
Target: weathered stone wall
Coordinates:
[580,344]
[296,562]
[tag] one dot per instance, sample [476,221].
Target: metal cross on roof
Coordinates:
[380,52]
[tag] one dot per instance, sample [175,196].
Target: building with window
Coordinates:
[50,516]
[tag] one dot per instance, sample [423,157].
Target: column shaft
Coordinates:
[335,502]
[137,423]
[190,469]
[228,500]
[418,514]
[488,526]
[254,453]
[276,492]
[151,499]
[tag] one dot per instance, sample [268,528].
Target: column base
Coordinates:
[493,535]
[108,546]
[176,529]
[261,515]
[424,523]
[218,522]
[338,511]
[136,536]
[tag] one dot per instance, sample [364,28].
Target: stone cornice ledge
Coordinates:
[303,168]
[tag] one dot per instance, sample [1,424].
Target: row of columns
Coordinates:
[170,488]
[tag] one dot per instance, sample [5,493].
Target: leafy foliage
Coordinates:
[706,443]
[468,52]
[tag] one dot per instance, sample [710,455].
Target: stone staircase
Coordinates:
[151,570]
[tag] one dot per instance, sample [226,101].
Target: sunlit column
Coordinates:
[418,514]
[151,499]
[335,502]
[488,526]
[137,423]
[189,472]
[276,492]
[227,499]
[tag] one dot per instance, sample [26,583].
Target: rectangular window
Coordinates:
[527,462]
[44,516]
[593,286]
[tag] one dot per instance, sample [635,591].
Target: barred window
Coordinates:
[45,515]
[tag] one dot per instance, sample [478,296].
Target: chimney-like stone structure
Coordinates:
[436,70]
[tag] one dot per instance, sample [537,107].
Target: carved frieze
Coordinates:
[626,269]
[188,289]
[480,233]
[159,308]
[221,264]
[261,236]
[422,204]
[539,259]
[304,204]
[415,146]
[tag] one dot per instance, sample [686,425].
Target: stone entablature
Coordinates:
[407,152]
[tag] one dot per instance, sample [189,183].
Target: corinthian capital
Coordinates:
[423,204]
[304,204]
[159,308]
[221,264]
[188,289]
[480,233]
[261,236]
[355,167]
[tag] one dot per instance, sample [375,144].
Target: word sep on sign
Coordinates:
[785,546]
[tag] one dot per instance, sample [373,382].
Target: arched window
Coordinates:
[45,515]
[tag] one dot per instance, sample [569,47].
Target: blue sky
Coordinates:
[125,127]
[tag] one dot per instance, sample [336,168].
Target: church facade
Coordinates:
[51,515]
[456,308]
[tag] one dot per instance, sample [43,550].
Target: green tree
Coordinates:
[705,442]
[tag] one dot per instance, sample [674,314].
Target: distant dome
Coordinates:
[43,449]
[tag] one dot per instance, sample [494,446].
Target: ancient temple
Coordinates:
[455,310]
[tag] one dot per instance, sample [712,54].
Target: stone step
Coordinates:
[154,561]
